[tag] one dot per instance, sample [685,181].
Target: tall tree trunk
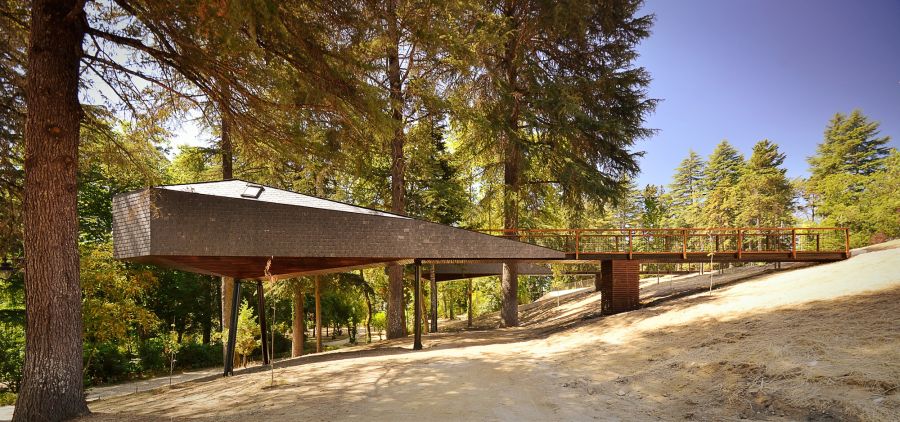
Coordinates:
[449,293]
[512,165]
[422,309]
[432,290]
[368,308]
[227,152]
[226,147]
[227,291]
[211,294]
[396,326]
[52,386]
[446,302]
[298,326]
[318,316]
[469,310]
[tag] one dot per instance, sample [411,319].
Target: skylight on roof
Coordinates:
[252,191]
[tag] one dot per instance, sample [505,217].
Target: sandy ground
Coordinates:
[812,343]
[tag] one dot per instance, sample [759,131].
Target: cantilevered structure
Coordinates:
[232,228]
[249,231]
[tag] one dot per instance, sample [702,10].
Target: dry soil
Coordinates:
[809,343]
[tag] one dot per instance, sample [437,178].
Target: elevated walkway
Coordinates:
[738,244]
[619,252]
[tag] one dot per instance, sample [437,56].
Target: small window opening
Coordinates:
[252,191]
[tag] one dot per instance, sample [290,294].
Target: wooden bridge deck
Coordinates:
[741,244]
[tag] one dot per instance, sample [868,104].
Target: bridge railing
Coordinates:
[684,241]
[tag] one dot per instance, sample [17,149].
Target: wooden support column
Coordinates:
[232,328]
[318,317]
[434,300]
[620,286]
[261,311]
[298,326]
[417,314]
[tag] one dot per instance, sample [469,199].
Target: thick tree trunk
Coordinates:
[396,327]
[52,386]
[298,326]
[318,316]
[228,291]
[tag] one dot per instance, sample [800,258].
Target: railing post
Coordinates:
[630,236]
[794,243]
[577,238]
[740,245]
[846,242]
[684,244]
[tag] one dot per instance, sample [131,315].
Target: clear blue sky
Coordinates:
[776,69]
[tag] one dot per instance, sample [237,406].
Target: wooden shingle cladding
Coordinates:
[209,228]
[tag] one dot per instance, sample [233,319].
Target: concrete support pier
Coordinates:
[619,286]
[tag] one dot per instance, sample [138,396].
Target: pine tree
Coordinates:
[719,179]
[627,210]
[556,88]
[765,195]
[686,191]
[851,146]
[247,332]
[852,160]
[882,203]
[653,207]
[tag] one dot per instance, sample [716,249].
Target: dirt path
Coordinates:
[817,343]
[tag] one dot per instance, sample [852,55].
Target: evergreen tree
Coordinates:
[627,209]
[247,332]
[719,179]
[881,204]
[686,191]
[555,87]
[765,194]
[848,172]
[653,206]
[851,146]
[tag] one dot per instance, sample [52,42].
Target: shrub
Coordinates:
[151,356]
[7,399]
[108,363]
[198,355]
[12,357]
